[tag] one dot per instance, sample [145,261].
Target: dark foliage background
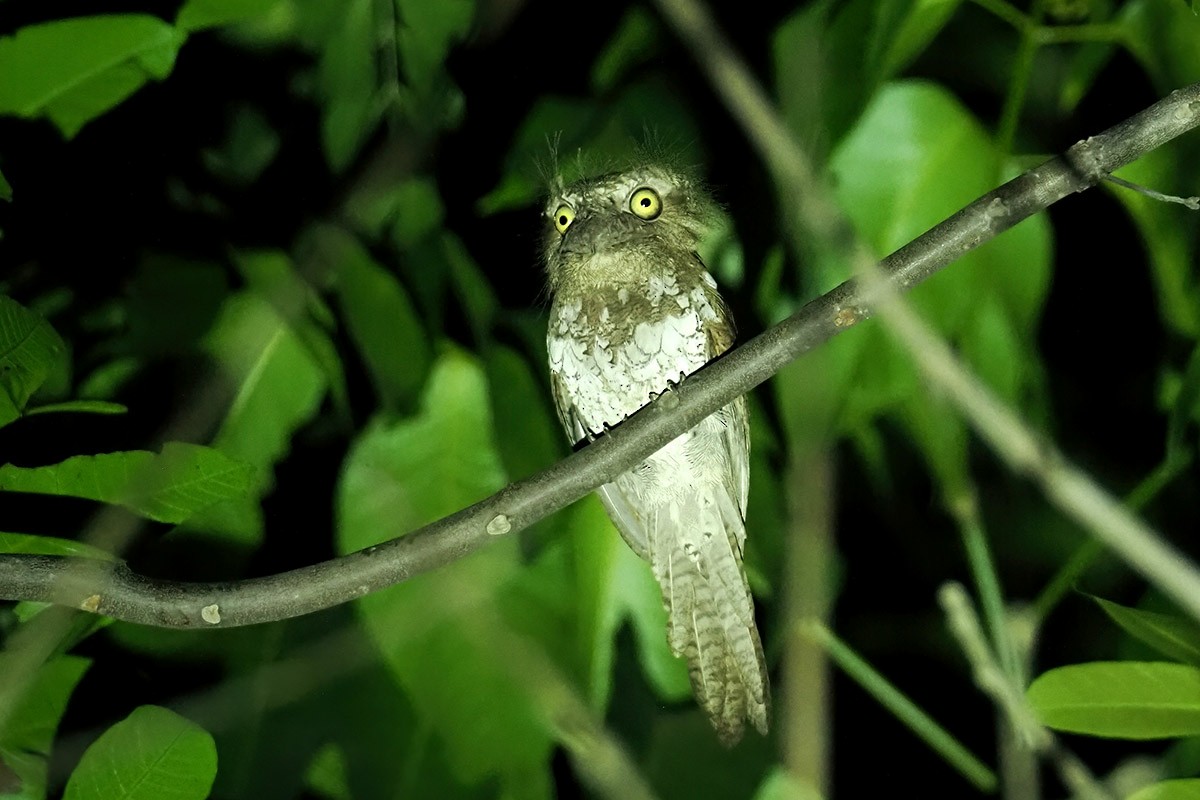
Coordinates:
[312,243]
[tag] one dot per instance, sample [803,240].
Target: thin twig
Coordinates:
[1191,202]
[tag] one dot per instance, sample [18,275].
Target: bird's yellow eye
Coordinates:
[646,203]
[563,218]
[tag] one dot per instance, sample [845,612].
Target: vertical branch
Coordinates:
[806,719]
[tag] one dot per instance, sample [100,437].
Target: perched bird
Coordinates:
[635,311]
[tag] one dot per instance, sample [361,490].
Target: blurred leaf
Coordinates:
[1180,789]
[171,303]
[425,32]
[410,210]
[1185,410]
[278,387]
[78,407]
[167,487]
[251,145]
[380,318]
[1162,35]
[1173,636]
[439,632]
[631,45]
[199,14]
[1168,232]
[349,81]
[30,352]
[73,70]
[712,771]
[327,774]
[780,784]
[527,434]
[891,179]
[1120,699]
[108,378]
[153,754]
[911,26]
[472,288]
[28,732]
[272,275]
[831,58]
[6,191]
[611,585]
[50,546]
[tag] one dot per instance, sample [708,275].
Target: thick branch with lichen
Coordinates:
[121,593]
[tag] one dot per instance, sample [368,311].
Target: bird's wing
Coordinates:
[627,519]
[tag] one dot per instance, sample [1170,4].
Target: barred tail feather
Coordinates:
[696,557]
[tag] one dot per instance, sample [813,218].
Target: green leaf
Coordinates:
[1162,35]
[27,732]
[611,585]
[1180,789]
[278,387]
[199,14]
[631,45]
[442,633]
[50,546]
[911,25]
[171,303]
[474,292]
[1120,699]
[425,32]
[6,191]
[167,487]
[250,146]
[891,180]
[380,317]
[274,277]
[327,774]
[570,119]
[780,784]
[1173,636]
[348,80]
[1167,231]
[153,754]
[78,407]
[73,70]
[527,434]
[30,352]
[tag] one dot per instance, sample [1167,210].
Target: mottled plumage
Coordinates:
[635,311]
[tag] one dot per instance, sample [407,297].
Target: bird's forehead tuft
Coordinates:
[613,188]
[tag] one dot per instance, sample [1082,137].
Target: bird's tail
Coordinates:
[710,611]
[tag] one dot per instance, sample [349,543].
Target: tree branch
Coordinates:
[123,594]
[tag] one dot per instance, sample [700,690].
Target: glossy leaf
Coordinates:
[153,754]
[1120,699]
[30,351]
[1174,636]
[73,70]
[170,486]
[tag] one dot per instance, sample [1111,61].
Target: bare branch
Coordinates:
[129,596]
